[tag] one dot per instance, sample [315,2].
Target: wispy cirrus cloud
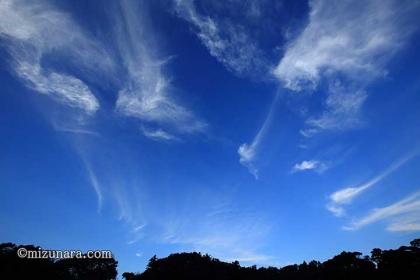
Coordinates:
[147,91]
[225,233]
[248,152]
[409,223]
[93,180]
[349,43]
[404,216]
[36,32]
[226,40]
[346,45]
[33,30]
[346,195]
[158,134]
[314,165]
[342,111]
[96,186]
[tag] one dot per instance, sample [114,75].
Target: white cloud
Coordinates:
[347,41]
[75,130]
[410,224]
[227,41]
[346,195]
[218,228]
[343,36]
[64,88]
[233,241]
[33,30]
[405,214]
[138,228]
[247,155]
[158,134]
[95,184]
[342,111]
[310,165]
[337,211]
[248,152]
[147,92]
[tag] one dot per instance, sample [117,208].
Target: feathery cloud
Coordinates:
[248,152]
[404,215]
[314,165]
[342,111]
[146,94]
[33,30]
[218,227]
[227,41]
[411,223]
[346,195]
[345,42]
[247,155]
[341,37]
[158,134]
[94,183]
[228,236]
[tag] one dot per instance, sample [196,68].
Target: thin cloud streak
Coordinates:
[95,185]
[346,195]
[408,224]
[399,211]
[235,241]
[147,91]
[34,30]
[158,134]
[217,227]
[306,165]
[248,152]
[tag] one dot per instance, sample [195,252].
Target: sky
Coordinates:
[268,132]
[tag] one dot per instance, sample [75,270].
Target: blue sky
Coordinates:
[268,132]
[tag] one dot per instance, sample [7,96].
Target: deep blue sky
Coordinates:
[268,132]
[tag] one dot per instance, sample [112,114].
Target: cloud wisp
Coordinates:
[314,165]
[147,91]
[346,195]
[342,111]
[37,35]
[34,30]
[404,216]
[225,233]
[347,44]
[227,41]
[248,152]
[96,186]
[158,134]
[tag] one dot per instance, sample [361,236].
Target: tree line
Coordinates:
[401,263]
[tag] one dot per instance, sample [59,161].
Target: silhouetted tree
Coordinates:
[129,276]
[415,243]
[401,263]
[14,267]
[388,264]
[348,265]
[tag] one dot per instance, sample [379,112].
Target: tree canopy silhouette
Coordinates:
[14,267]
[401,263]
